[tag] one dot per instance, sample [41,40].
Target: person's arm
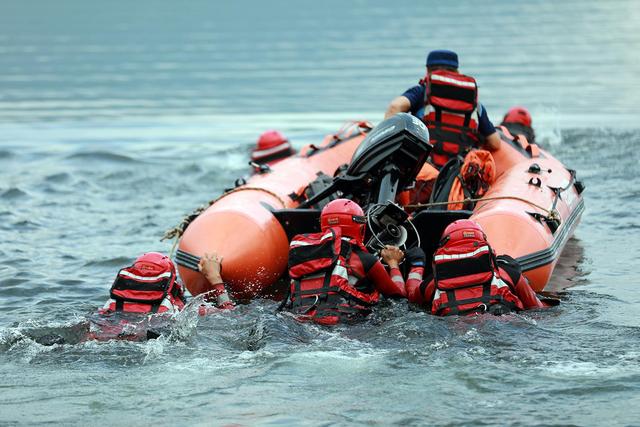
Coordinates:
[527,295]
[383,282]
[392,255]
[509,267]
[492,140]
[416,258]
[210,266]
[389,284]
[400,104]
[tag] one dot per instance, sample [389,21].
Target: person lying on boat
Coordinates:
[333,277]
[447,102]
[272,146]
[518,122]
[468,278]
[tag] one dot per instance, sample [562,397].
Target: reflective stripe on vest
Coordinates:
[143,278]
[443,257]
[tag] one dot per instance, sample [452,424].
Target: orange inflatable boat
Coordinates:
[529,212]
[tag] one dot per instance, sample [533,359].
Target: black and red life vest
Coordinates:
[148,290]
[468,279]
[451,101]
[322,281]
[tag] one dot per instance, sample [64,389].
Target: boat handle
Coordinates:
[535,181]
[533,150]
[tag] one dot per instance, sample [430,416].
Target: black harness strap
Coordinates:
[154,307]
[460,136]
[467,120]
[286,300]
[451,303]
[129,284]
[486,300]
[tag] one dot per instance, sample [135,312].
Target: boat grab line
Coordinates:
[550,213]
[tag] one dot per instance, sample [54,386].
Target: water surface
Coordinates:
[117,119]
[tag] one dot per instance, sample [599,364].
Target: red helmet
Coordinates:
[270,146]
[462,229]
[154,261]
[347,215]
[518,115]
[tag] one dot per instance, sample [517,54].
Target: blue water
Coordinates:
[118,118]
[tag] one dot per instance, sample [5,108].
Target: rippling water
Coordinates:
[118,118]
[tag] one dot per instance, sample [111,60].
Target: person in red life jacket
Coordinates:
[150,285]
[333,276]
[447,101]
[518,121]
[210,266]
[468,278]
[272,146]
[143,297]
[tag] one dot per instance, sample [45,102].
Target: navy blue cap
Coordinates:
[447,58]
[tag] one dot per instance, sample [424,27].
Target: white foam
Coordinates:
[582,369]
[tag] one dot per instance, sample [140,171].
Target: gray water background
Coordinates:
[117,118]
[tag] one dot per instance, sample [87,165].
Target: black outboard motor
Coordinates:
[392,154]
[387,160]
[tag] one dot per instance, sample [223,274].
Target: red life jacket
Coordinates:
[322,281]
[467,278]
[146,290]
[451,101]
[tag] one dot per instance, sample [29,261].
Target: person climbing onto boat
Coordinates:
[150,285]
[468,278]
[333,277]
[447,102]
[272,146]
[518,122]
